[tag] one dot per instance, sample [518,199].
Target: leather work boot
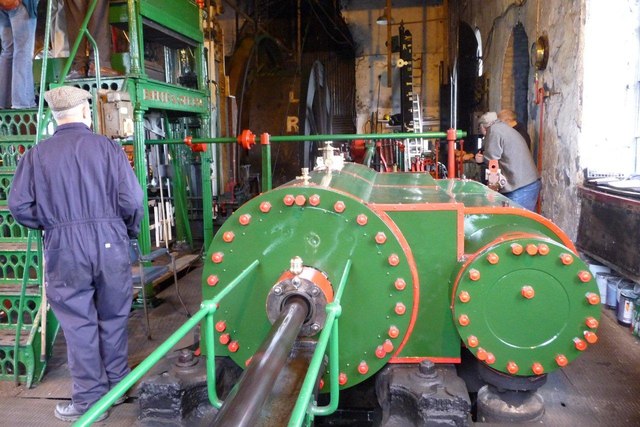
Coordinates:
[68,412]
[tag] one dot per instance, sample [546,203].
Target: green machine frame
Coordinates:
[180,21]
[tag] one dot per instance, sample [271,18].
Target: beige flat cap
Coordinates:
[65,97]
[488,118]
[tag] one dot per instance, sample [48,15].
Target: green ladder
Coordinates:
[28,327]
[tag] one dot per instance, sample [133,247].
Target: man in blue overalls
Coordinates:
[81,190]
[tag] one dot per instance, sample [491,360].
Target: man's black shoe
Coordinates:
[68,412]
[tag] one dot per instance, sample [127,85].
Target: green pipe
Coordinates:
[135,66]
[209,341]
[140,167]
[23,291]
[207,192]
[127,382]
[43,74]
[334,310]
[299,138]
[266,167]
[207,308]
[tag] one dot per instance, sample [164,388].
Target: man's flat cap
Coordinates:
[65,97]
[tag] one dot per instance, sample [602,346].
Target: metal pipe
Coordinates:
[326,137]
[243,405]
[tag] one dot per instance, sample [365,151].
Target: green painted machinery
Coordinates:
[427,266]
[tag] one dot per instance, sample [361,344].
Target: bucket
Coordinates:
[597,268]
[626,306]
[601,280]
[612,291]
[624,285]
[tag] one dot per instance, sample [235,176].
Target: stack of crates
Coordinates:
[26,321]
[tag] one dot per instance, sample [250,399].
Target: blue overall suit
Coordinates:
[80,189]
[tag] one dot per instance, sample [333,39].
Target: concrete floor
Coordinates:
[600,388]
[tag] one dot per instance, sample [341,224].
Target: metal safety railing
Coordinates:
[304,409]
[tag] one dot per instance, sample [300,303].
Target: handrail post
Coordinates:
[304,405]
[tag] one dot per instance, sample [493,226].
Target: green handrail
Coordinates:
[330,331]
[207,310]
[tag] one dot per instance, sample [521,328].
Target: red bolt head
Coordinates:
[248,361]
[528,292]
[265,207]
[472,341]
[380,353]
[512,368]
[400,309]
[381,238]
[592,298]
[394,260]
[289,200]
[321,385]
[233,346]
[591,337]
[463,320]
[224,339]
[362,219]
[516,248]
[491,359]
[394,332]
[580,344]
[493,258]
[339,206]
[464,297]
[228,236]
[363,368]
[400,284]
[387,345]
[212,280]
[566,259]
[532,249]
[221,326]
[342,378]
[543,249]
[561,360]
[592,322]
[217,257]
[301,200]
[244,219]
[481,354]
[584,276]
[537,368]
[474,274]
[314,200]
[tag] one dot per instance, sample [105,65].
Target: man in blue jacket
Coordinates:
[81,190]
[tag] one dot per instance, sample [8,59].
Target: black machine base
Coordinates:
[422,395]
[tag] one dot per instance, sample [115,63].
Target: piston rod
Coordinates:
[244,403]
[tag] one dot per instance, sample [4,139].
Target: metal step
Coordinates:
[8,337]
[13,289]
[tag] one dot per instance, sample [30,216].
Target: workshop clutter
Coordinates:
[619,294]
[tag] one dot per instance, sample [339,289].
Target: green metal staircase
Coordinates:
[24,316]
